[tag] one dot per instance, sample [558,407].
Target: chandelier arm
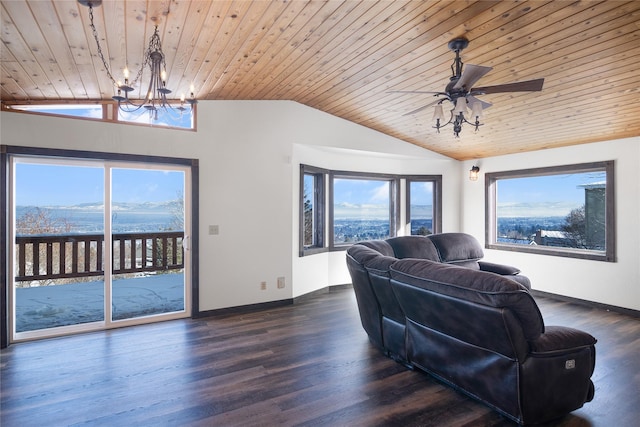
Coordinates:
[122,106]
[475,124]
[451,115]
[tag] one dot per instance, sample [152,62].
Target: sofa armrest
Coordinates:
[379,265]
[504,270]
[556,377]
[558,339]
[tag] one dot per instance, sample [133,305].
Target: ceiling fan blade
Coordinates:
[417,91]
[528,86]
[417,110]
[470,75]
[471,99]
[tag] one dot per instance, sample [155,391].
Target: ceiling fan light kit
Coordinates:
[461,93]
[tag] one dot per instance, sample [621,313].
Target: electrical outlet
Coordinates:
[280,282]
[214,229]
[263,286]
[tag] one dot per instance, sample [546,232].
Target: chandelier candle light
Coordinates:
[156,94]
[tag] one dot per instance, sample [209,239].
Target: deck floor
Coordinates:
[44,307]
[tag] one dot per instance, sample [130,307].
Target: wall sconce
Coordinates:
[473,173]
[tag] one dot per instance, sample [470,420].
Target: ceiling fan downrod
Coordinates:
[457,45]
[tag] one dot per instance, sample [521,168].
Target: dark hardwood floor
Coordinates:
[305,364]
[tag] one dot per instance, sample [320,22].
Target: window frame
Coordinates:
[394,201]
[491,180]
[324,215]
[437,200]
[110,113]
[319,218]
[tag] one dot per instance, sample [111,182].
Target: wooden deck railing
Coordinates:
[42,257]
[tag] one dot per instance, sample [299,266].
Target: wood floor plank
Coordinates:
[308,364]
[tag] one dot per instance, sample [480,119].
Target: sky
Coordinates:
[369,199]
[359,191]
[553,195]
[172,118]
[40,184]
[57,185]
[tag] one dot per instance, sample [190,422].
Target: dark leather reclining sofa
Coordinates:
[430,302]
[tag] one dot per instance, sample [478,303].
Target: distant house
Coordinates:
[594,214]
[553,238]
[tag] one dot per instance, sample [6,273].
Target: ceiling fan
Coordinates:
[460,91]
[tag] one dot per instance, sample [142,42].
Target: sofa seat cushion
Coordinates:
[475,286]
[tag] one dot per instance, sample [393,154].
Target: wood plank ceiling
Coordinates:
[344,58]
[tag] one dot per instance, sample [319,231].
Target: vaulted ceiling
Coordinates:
[347,57]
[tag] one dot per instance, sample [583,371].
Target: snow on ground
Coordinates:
[60,305]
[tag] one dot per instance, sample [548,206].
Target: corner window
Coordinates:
[359,206]
[424,204]
[363,207]
[312,210]
[561,211]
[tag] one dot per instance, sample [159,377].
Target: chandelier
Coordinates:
[156,95]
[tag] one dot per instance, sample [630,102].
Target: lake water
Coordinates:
[92,221]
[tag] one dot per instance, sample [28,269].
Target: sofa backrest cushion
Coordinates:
[413,247]
[380,246]
[475,286]
[457,248]
[370,258]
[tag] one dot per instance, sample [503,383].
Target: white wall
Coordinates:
[615,283]
[249,153]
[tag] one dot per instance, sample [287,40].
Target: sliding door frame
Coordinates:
[8,151]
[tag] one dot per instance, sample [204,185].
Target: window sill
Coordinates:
[554,251]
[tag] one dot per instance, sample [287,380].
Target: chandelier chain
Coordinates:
[104,61]
[100,54]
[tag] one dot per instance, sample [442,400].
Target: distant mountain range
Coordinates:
[537,209]
[125,216]
[168,205]
[371,211]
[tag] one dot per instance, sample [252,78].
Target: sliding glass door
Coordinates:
[58,251]
[147,223]
[97,245]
